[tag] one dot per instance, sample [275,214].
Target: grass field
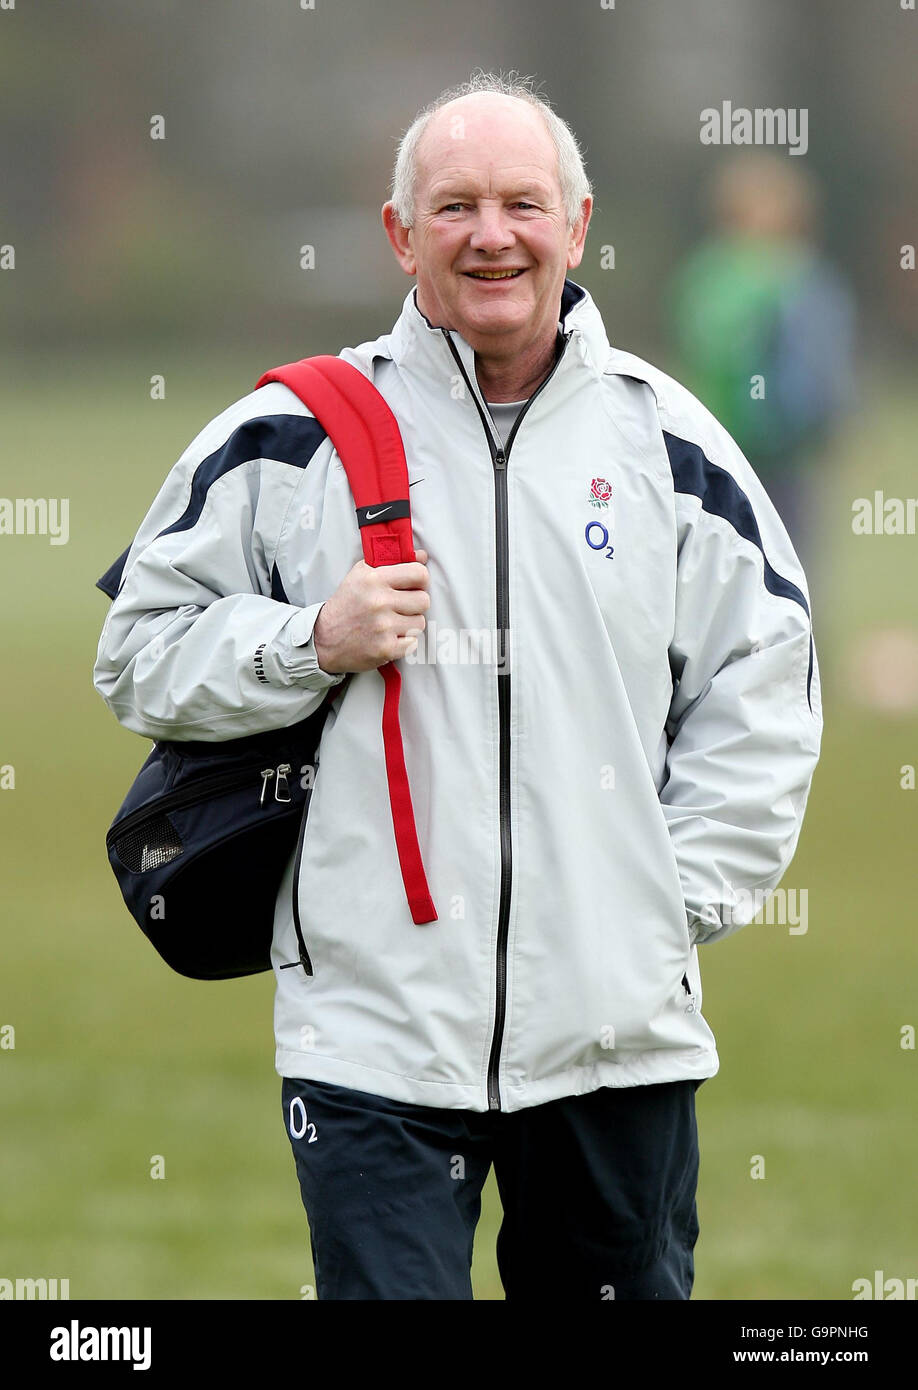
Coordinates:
[117,1060]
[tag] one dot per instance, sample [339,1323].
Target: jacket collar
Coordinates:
[417,344]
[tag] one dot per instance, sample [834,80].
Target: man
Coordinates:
[594,796]
[764,326]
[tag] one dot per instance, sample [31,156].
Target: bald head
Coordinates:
[473,120]
[489,96]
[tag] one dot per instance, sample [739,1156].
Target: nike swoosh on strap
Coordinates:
[390,511]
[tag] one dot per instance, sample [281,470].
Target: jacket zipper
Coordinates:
[499,458]
[303,957]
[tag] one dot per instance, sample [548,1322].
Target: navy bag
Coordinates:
[201,841]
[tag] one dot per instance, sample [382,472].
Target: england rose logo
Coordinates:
[600,493]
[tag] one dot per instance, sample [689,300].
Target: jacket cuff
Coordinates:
[702,924]
[290,657]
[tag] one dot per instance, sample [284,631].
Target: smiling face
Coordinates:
[490,245]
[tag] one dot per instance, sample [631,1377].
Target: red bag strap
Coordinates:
[367,439]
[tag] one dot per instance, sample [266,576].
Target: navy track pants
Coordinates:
[598,1193]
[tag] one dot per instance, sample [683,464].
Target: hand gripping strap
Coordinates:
[366,437]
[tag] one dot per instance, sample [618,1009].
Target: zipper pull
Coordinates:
[266,772]
[500,459]
[282,770]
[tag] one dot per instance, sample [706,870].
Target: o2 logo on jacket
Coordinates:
[600,493]
[597,538]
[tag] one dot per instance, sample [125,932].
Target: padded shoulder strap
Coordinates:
[367,439]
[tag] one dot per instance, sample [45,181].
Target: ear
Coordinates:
[400,239]
[578,234]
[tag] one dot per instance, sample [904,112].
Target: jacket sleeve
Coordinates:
[745,720]
[200,642]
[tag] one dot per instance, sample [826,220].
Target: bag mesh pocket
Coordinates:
[149,846]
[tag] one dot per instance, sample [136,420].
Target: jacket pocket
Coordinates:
[689,998]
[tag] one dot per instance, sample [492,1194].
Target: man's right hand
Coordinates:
[375,615]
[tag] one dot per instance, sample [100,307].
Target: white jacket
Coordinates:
[587,811]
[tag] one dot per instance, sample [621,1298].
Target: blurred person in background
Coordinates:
[763,329]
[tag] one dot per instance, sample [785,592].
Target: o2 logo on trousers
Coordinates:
[597,538]
[300,1123]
